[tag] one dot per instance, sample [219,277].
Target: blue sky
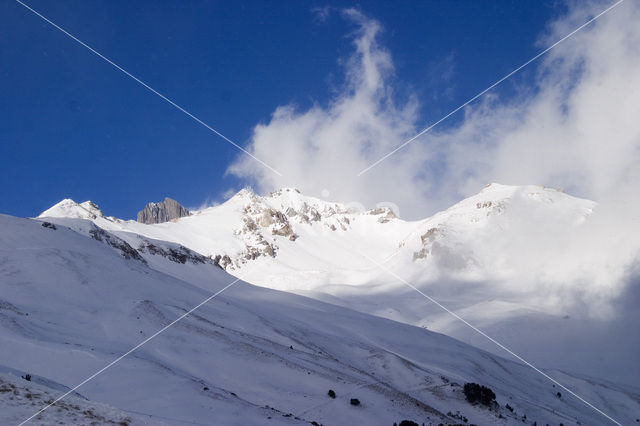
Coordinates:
[72,126]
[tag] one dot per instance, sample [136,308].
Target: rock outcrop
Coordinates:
[119,244]
[162,212]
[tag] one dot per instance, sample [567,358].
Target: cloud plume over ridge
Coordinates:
[322,149]
[576,128]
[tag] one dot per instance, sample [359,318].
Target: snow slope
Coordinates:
[20,399]
[75,299]
[502,258]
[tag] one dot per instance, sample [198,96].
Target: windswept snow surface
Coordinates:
[20,399]
[74,299]
[524,263]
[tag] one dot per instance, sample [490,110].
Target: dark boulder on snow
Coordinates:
[477,393]
[408,423]
[162,212]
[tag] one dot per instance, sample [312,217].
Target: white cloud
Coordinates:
[324,147]
[577,128]
[579,131]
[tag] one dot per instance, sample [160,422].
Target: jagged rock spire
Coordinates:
[162,212]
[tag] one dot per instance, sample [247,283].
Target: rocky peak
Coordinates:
[162,212]
[92,208]
[385,213]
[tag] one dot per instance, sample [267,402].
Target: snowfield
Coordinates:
[75,297]
[526,264]
[20,399]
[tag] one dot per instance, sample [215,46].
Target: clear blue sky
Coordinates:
[72,126]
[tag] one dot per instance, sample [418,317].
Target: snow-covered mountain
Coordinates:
[75,296]
[496,258]
[69,208]
[286,235]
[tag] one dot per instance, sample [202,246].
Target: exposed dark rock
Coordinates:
[162,212]
[423,253]
[250,224]
[179,254]
[223,261]
[429,236]
[477,393]
[49,225]
[125,249]
[285,231]
[315,216]
[458,416]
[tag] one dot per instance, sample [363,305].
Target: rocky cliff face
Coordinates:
[270,221]
[162,212]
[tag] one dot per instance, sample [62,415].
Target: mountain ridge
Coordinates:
[261,220]
[72,303]
[496,257]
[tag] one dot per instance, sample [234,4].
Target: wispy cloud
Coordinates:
[576,128]
[577,131]
[322,147]
[321,14]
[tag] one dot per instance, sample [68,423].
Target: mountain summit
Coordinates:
[165,211]
[70,209]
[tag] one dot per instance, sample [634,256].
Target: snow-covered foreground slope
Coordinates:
[20,399]
[524,263]
[72,302]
